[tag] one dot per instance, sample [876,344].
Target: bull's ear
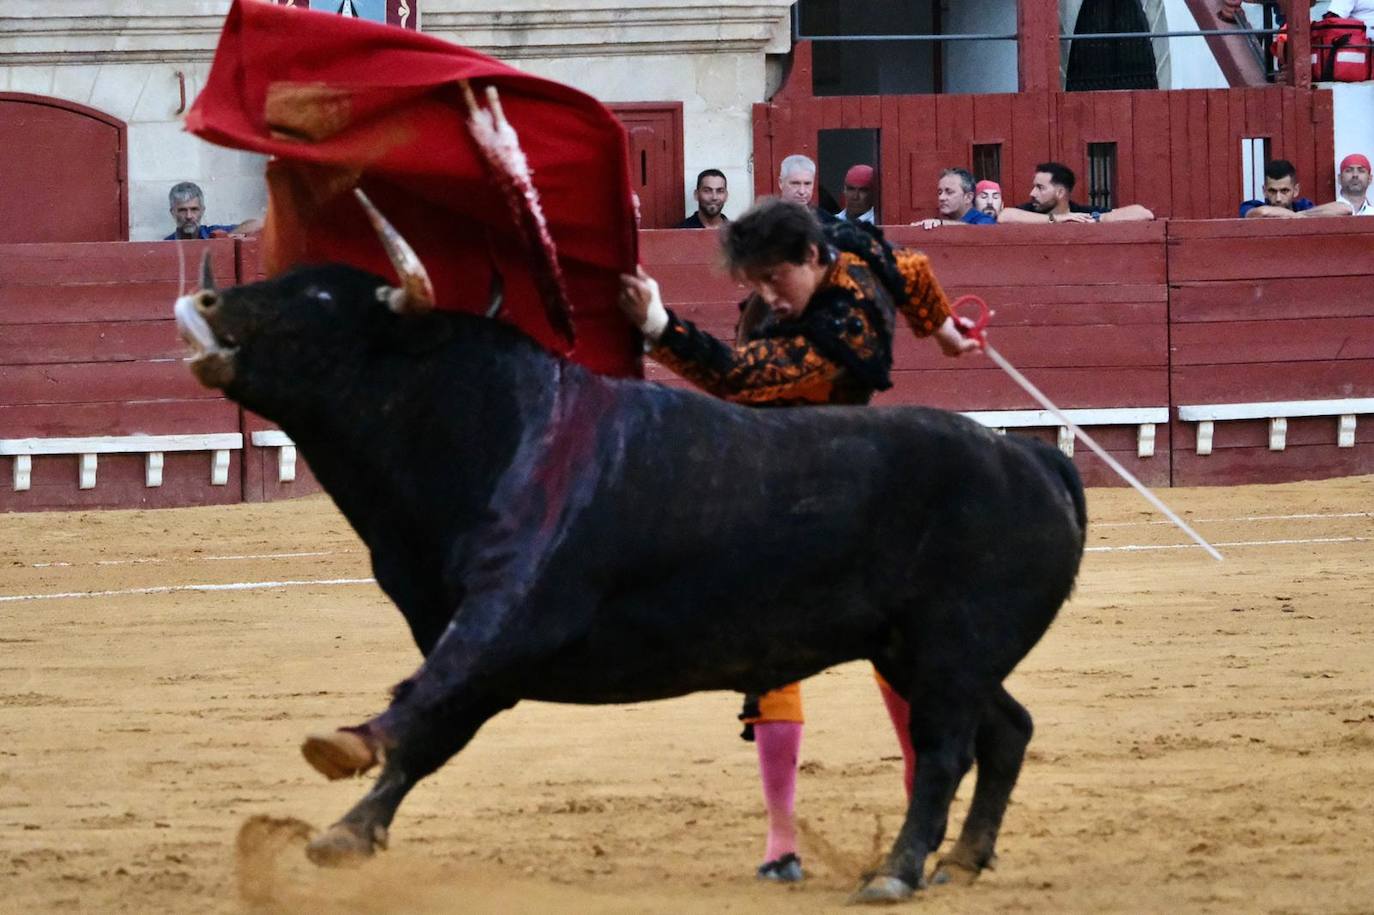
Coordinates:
[399,301]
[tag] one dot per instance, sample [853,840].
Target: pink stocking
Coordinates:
[779,743]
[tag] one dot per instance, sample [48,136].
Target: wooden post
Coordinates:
[1037,29]
[1299,44]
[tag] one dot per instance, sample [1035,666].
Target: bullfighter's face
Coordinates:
[787,287]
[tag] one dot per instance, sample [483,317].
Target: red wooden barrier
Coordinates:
[88,348]
[1266,311]
[1105,316]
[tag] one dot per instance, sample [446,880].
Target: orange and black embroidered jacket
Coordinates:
[838,350]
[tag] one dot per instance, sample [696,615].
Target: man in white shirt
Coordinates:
[1354,181]
[1354,9]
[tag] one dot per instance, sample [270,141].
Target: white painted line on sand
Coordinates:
[331,582]
[1245,518]
[151,560]
[172,589]
[1149,547]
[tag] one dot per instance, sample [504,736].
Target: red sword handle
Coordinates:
[972,327]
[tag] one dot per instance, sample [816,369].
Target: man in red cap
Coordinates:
[987,198]
[858,195]
[1354,182]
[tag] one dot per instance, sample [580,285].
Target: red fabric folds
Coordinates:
[338,102]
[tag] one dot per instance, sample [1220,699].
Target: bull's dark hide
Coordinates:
[557,535]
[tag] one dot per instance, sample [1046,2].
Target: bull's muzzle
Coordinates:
[211,362]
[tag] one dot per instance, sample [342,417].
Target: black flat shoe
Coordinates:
[786,869]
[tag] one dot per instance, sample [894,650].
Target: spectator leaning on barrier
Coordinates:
[188,207]
[1049,202]
[858,195]
[954,202]
[1282,194]
[797,182]
[710,195]
[1353,200]
[987,198]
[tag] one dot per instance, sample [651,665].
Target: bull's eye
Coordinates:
[321,296]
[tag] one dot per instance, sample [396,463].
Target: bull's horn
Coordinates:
[207,278]
[496,295]
[416,292]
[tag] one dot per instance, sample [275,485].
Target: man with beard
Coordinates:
[1353,200]
[1354,181]
[187,206]
[1282,194]
[1049,202]
[987,198]
[710,195]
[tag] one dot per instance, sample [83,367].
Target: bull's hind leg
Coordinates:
[1000,747]
[944,720]
[363,829]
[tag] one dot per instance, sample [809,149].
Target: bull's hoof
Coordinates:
[882,890]
[953,872]
[342,845]
[338,754]
[961,868]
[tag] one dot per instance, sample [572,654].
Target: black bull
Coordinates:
[556,535]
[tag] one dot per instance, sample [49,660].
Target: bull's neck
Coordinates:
[419,443]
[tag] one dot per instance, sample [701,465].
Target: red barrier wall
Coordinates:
[1266,310]
[1144,315]
[88,348]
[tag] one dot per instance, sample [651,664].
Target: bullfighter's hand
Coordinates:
[1075,217]
[952,342]
[929,223]
[642,304]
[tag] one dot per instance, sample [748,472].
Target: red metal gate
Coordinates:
[655,151]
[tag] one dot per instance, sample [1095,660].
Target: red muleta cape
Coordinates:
[340,102]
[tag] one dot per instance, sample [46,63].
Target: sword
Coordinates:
[977,330]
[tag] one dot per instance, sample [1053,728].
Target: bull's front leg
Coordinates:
[364,829]
[943,725]
[432,716]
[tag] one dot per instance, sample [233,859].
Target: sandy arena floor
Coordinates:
[1205,735]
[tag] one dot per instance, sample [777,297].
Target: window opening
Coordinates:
[1101,175]
[987,162]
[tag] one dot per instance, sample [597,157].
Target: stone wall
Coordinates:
[133,66]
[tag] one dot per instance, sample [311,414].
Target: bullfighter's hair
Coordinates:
[772,232]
